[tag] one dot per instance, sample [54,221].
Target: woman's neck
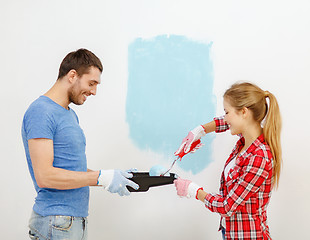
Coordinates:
[251,134]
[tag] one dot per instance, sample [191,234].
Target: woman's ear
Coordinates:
[245,112]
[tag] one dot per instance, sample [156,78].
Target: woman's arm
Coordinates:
[201,195]
[209,127]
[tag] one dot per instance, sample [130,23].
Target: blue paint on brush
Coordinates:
[158,170]
[170,85]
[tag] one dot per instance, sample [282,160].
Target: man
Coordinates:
[55,150]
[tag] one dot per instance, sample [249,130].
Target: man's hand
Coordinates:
[115,181]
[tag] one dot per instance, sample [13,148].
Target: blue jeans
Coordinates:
[57,227]
[223,233]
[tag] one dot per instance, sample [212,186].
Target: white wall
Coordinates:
[266,42]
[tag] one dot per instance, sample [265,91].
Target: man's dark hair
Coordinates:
[80,60]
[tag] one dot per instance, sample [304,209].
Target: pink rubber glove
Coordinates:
[182,186]
[192,136]
[186,188]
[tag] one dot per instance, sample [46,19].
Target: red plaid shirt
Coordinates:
[246,192]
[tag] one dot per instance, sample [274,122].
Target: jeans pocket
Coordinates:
[32,235]
[63,223]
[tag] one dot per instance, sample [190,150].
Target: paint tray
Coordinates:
[145,181]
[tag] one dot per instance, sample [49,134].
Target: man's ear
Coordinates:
[72,76]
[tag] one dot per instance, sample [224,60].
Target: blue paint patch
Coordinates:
[170,85]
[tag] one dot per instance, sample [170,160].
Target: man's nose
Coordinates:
[93,91]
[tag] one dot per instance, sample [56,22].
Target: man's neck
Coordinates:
[58,93]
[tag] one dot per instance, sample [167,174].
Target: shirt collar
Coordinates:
[254,145]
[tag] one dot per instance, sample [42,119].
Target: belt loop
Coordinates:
[83,223]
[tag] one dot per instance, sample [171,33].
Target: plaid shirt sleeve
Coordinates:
[242,187]
[221,125]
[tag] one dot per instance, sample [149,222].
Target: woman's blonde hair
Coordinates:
[249,95]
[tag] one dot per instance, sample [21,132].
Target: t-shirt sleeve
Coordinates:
[38,123]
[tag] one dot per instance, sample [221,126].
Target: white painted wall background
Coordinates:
[266,42]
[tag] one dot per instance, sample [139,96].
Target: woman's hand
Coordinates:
[186,188]
[192,137]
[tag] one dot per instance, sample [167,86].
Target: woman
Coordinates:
[252,169]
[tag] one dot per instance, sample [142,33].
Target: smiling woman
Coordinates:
[251,101]
[252,169]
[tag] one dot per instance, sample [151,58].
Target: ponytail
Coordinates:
[272,134]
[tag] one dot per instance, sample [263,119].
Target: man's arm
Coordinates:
[48,176]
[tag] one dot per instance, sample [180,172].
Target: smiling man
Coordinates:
[55,150]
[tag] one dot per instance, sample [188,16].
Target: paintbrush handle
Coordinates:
[194,144]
